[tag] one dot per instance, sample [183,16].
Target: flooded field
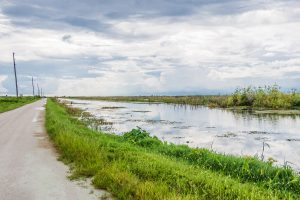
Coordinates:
[238,133]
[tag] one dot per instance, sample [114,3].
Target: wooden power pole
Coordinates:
[38,88]
[16,80]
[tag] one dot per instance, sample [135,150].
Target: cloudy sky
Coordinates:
[135,47]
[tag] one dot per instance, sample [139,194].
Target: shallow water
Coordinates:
[225,131]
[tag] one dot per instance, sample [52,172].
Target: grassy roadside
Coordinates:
[137,166]
[10,103]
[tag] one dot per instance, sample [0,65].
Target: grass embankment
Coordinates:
[137,166]
[245,98]
[10,103]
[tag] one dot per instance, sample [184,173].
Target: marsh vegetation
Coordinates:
[268,97]
[136,165]
[203,127]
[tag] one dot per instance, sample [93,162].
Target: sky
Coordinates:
[149,47]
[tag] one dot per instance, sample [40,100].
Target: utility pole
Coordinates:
[16,80]
[32,86]
[41,92]
[38,88]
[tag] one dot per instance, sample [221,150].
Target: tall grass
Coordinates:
[246,169]
[267,97]
[10,103]
[137,166]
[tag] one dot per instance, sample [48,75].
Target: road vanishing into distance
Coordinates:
[29,169]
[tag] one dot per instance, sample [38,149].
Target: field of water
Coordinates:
[224,131]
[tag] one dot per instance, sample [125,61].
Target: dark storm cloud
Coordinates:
[92,14]
[101,15]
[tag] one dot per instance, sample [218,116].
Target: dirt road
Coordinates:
[29,168]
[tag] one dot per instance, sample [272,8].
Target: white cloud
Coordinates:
[203,50]
[2,88]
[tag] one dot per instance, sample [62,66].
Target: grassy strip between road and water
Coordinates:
[261,98]
[10,103]
[138,166]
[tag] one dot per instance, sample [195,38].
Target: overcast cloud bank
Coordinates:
[149,47]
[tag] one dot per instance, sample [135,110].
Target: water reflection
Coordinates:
[227,131]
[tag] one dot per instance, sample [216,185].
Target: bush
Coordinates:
[141,137]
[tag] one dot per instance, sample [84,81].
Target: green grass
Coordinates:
[246,169]
[243,98]
[10,103]
[137,166]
